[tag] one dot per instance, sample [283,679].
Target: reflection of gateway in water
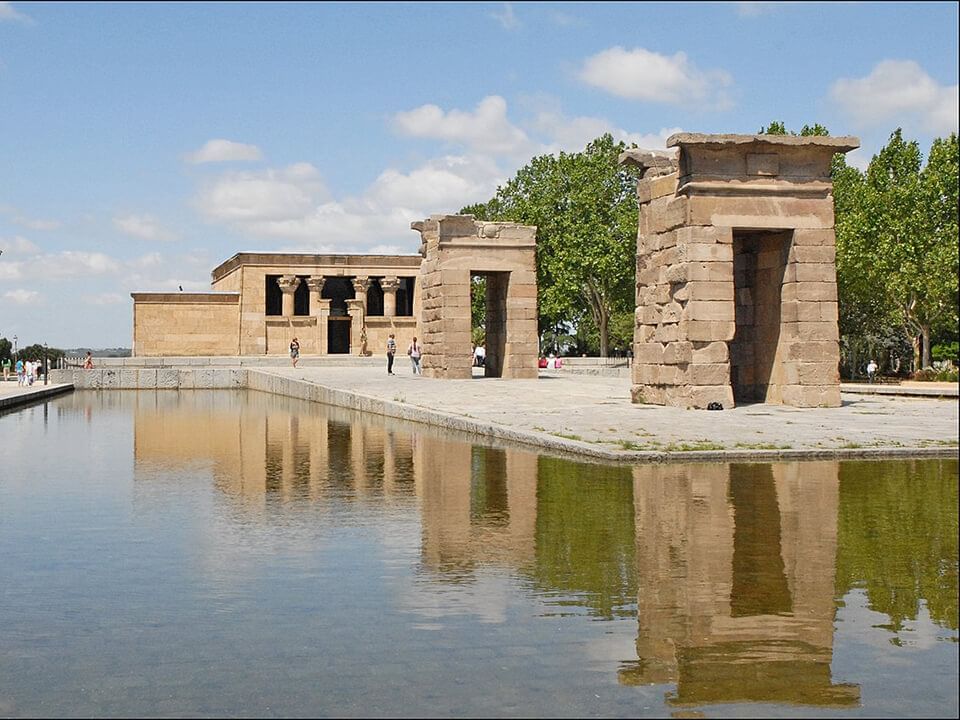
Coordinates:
[736,571]
[733,566]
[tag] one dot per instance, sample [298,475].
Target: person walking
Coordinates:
[295,351]
[871,370]
[21,376]
[414,352]
[391,351]
[6,369]
[88,361]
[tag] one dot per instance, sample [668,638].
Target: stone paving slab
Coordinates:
[13,395]
[591,415]
[918,389]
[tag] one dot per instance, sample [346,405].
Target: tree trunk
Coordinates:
[925,336]
[915,340]
[602,326]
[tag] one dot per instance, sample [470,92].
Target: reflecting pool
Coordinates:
[228,553]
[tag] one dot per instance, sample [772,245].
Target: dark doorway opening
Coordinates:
[759,262]
[338,335]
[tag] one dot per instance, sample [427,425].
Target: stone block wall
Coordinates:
[736,282]
[171,324]
[454,248]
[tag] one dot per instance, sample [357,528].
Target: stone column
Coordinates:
[358,319]
[288,286]
[390,286]
[361,284]
[321,310]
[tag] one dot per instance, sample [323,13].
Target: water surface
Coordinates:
[229,553]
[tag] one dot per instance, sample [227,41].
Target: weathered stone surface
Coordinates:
[712,352]
[677,353]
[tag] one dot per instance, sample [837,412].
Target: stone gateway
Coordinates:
[736,275]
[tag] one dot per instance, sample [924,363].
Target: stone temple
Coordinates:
[736,275]
[349,304]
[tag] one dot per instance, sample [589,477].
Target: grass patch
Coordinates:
[762,446]
[566,436]
[695,446]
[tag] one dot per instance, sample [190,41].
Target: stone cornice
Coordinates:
[318,264]
[208,298]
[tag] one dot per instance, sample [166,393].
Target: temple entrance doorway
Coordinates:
[338,335]
[488,303]
[756,351]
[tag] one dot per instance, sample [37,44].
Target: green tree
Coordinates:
[909,219]
[6,349]
[584,207]
[36,353]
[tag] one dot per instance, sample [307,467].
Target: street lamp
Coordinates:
[14,348]
[46,365]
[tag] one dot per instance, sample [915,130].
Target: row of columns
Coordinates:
[289,283]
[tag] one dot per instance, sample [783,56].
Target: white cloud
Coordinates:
[271,195]
[20,296]
[448,182]
[641,74]
[290,205]
[506,17]
[219,150]
[18,245]
[573,134]
[898,90]
[486,129]
[145,227]
[8,13]
[105,299]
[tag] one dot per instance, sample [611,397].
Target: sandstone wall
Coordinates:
[169,324]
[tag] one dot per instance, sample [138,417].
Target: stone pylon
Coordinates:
[736,274]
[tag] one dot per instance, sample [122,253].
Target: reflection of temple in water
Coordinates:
[731,567]
[736,598]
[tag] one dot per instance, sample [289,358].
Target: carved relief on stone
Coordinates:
[361,284]
[316,283]
[288,283]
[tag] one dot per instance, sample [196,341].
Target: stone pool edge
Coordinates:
[265,381]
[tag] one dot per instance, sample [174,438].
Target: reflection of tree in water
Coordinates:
[585,542]
[898,537]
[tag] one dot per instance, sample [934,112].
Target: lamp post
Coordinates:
[46,365]
[14,348]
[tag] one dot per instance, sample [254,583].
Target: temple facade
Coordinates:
[259,302]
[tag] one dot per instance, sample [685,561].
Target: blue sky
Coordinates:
[143,144]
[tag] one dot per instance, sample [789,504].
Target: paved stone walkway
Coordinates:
[13,395]
[597,411]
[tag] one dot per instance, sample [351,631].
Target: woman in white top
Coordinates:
[414,352]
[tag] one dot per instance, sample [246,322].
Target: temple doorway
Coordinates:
[338,335]
[756,362]
[489,302]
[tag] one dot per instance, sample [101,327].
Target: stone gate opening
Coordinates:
[756,353]
[495,291]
